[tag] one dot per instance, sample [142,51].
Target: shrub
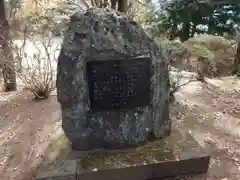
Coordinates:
[35,64]
[35,50]
[173,53]
[204,64]
[34,61]
[216,51]
[205,54]
[174,50]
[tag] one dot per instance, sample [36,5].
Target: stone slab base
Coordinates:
[178,154]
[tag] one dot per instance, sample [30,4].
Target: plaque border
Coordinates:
[90,88]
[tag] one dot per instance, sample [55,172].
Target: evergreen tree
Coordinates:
[185,18]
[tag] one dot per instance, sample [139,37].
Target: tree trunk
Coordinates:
[105,3]
[185,32]
[173,32]
[7,63]
[122,5]
[114,4]
[236,68]
[194,28]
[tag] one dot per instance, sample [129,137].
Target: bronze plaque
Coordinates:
[119,84]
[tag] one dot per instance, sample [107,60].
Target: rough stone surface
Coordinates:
[176,155]
[64,170]
[100,34]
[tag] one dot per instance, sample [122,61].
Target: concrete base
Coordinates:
[178,154]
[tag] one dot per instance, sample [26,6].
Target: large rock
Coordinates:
[100,34]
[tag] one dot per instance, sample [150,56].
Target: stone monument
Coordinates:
[113,89]
[112,83]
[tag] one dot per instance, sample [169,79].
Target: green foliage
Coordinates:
[186,18]
[213,43]
[212,55]
[174,50]
[144,13]
[221,51]
[178,52]
[202,53]
[206,58]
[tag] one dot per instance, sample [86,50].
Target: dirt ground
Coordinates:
[211,112]
[25,127]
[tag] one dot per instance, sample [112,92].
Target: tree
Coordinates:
[225,19]
[236,69]
[185,18]
[120,5]
[7,60]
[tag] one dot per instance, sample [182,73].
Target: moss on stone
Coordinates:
[152,152]
[58,145]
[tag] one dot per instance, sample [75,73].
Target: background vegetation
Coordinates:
[199,36]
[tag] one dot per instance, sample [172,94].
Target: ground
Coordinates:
[210,111]
[25,128]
